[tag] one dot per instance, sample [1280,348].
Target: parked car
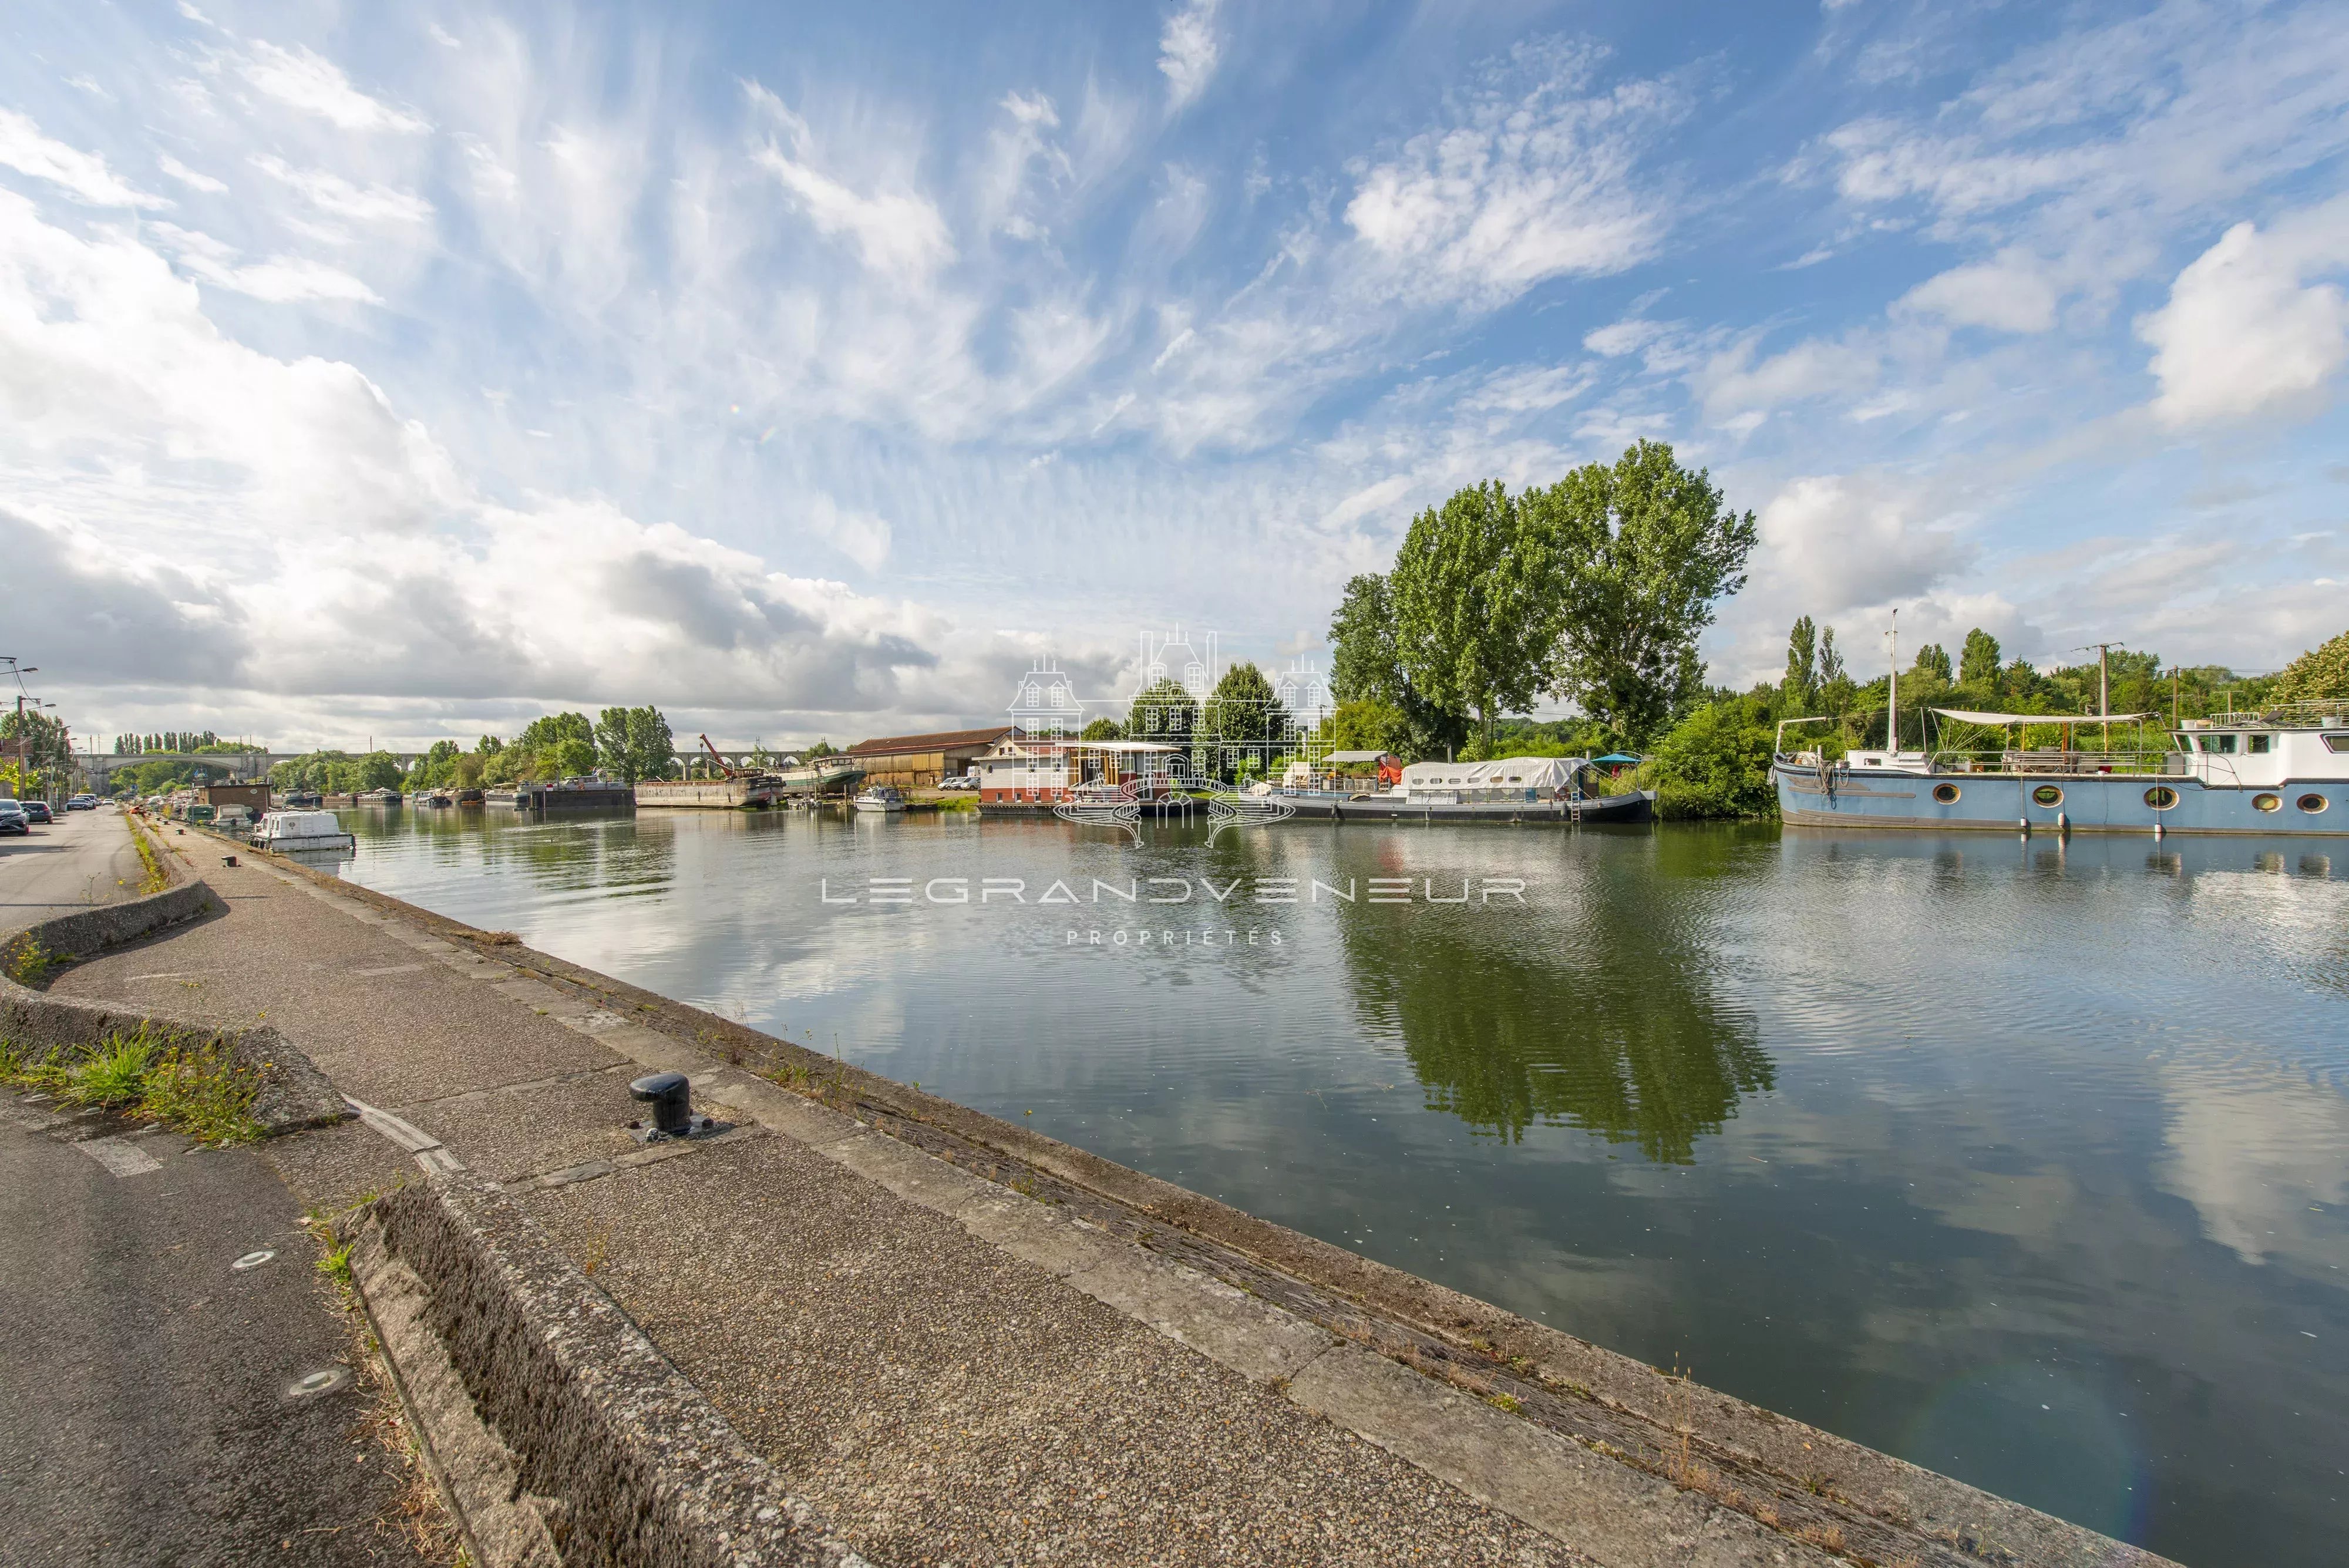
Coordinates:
[82,803]
[13,819]
[38,810]
[959,781]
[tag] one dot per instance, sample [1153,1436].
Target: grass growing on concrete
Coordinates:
[186,1083]
[27,962]
[156,877]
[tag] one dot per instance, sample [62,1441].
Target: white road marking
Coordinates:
[421,1145]
[119,1156]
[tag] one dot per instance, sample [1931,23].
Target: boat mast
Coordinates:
[1893,699]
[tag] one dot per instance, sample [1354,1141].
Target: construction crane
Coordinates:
[725,768]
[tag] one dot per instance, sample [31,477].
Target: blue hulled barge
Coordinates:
[2282,772]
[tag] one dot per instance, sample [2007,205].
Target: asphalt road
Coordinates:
[152,1401]
[84,858]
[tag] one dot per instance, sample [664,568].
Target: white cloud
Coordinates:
[82,175]
[899,233]
[1188,50]
[1621,338]
[333,195]
[281,280]
[120,400]
[1020,142]
[189,177]
[1530,184]
[185,446]
[861,536]
[310,82]
[1734,387]
[2008,294]
[1832,543]
[2241,334]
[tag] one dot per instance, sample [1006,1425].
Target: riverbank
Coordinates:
[958,1339]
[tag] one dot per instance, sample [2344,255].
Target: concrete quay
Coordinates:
[938,1338]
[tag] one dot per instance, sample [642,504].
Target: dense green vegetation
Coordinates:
[1594,592]
[2320,674]
[335,773]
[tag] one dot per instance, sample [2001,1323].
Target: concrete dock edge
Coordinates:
[1543,1424]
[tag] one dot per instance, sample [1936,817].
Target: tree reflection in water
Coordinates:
[1606,1024]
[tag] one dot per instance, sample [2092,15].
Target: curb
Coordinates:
[293,1094]
[559,1430]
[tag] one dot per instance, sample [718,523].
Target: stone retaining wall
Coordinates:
[618,1457]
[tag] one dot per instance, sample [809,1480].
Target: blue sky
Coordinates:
[401,370]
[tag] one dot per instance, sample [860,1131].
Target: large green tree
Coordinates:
[1367,668]
[1164,714]
[1474,602]
[2317,675]
[1801,688]
[1644,551]
[1242,721]
[634,743]
[1366,724]
[1978,661]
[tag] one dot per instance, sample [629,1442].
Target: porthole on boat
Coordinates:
[2267,803]
[2312,803]
[2048,794]
[2161,797]
[1946,793]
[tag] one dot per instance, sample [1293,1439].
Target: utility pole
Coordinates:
[2104,685]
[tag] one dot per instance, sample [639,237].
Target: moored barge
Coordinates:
[2282,772]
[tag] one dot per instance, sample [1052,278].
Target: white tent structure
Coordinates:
[1508,779]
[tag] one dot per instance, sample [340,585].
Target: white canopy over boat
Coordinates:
[1515,773]
[1968,716]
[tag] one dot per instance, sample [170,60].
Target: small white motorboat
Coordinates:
[881,797]
[290,832]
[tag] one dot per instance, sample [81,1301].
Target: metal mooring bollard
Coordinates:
[671,1097]
[228,860]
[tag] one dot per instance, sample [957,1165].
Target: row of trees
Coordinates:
[626,744]
[1592,591]
[180,740]
[1240,728]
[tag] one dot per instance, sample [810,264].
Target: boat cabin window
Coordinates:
[2336,743]
[2258,744]
[2225,743]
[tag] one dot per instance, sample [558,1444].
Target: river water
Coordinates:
[2025,1161]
